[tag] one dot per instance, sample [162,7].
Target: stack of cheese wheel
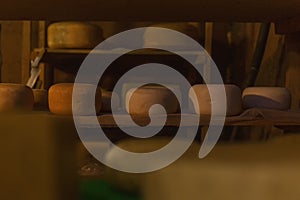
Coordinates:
[107,98]
[15,97]
[277,98]
[74,35]
[40,99]
[139,100]
[201,99]
[155,39]
[60,99]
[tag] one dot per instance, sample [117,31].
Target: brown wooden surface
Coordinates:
[288,26]
[251,117]
[38,158]
[11,50]
[150,10]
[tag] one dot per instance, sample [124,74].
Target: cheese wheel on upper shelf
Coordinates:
[60,99]
[201,100]
[277,98]
[77,35]
[156,39]
[15,97]
[139,100]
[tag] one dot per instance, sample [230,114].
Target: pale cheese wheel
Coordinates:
[64,35]
[40,99]
[107,97]
[278,98]
[133,85]
[201,99]
[15,97]
[60,99]
[139,100]
[155,39]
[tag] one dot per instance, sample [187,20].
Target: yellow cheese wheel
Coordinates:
[278,98]
[60,99]
[140,100]
[166,40]
[74,35]
[15,97]
[201,100]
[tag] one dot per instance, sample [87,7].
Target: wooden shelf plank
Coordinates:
[251,117]
[64,56]
[150,10]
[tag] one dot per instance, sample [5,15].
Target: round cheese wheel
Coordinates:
[157,39]
[60,99]
[15,97]
[201,100]
[74,35]
[40,99]
[139,100]
[278,98]
[107,101]
[133,85]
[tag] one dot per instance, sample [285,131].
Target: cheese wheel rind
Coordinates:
[138,101]
[64,35]
[201,100]
[15,97]
[278,98]
[154,38]
[60,99]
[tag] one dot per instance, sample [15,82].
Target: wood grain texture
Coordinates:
[151,10]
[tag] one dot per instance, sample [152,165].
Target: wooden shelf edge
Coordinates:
[291,25]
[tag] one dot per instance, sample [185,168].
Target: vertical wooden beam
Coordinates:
[208,48]
[11,42]
[0,55]
[25,51]
[208,37]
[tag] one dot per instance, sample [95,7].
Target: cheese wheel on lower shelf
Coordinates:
[15,97]
[201,100]
[278,98]
[60,99]
[139,100]
[64,35]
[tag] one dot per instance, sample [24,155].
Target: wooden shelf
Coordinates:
[53,56]
[151,10]
[251,117]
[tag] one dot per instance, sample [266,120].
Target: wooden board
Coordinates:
[150,10]
[288,26]
[38,158]
[251,117]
